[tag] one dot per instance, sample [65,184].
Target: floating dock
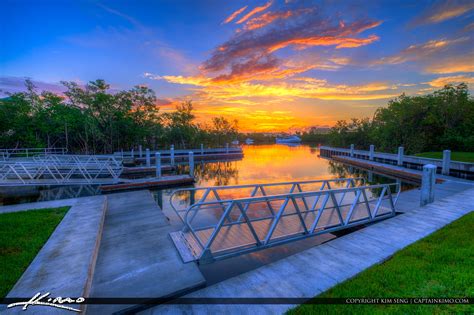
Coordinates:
[143,170]
[452,168]
[145,183]
[397,171]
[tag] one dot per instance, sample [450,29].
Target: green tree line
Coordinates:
[92,119]
[441,120]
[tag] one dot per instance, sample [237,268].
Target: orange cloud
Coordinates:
[266,19]
[420,51]
[307,88]
[444,10]
[255,11]
[231,17]
[442,81]
[452,65]
[326,41]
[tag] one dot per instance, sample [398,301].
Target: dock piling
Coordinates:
[352,150]
[400,156]
[202,149]
[191,163]
[158,164]
[172,155]
[427,184]
[132,153]
[147,153]
[226,148]
[140,152]
[446,162]
[371,153]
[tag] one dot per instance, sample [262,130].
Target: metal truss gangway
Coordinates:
[60,169]
[218,226]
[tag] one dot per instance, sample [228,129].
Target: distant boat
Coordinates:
[290,139]
[249,141]
[235,142]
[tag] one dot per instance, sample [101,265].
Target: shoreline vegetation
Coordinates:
[22,235]
[443,120]
[439,265]
[93,119]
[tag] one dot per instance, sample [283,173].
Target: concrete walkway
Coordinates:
[106,246]
[66,262]
[136,256]
[308,273]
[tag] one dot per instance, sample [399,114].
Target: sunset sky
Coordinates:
[273,65]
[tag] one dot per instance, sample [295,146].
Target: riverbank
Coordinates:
[455,156]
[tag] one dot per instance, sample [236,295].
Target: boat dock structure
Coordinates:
[130,248]
[172,156]
[444,166]
[119,171]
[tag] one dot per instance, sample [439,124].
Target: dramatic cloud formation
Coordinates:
[234,15]
[246,70]
[444,10]
[250,51]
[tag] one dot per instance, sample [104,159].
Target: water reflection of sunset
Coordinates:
[275,163]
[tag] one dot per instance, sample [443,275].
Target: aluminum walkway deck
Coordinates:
[220,229]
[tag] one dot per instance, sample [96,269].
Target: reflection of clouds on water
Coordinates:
[270,164]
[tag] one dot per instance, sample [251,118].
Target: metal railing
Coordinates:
[188,196]
[60,170]
[179,152]
[29,152]
[221,229]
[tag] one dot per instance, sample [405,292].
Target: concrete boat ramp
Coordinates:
[118,246]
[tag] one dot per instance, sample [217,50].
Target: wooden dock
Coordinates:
[145,183]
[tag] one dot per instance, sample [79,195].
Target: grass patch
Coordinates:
[440,265]
[455,156]
[22,235]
